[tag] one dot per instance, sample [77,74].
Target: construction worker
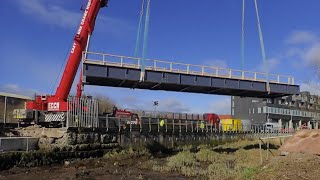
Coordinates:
[162,123]
[202,125]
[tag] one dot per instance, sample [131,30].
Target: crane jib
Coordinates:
[85,14]
[84,17]
[79,44]
[58,101]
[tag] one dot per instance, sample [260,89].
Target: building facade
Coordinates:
[9,102]
[289,111]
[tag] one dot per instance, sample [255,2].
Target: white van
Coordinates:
[271,127]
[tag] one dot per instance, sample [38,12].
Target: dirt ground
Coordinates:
[141,166]
[294,166]
[101,168]
[304,141]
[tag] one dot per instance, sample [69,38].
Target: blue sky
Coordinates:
[36,36]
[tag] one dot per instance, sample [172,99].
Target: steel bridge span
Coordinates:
[122,71]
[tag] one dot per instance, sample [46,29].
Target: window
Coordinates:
[264,109]
[259,110]
[252,110]
[249,111]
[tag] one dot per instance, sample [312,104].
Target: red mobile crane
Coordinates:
[58,101]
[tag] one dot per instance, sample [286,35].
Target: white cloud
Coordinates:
[304,50]
[221,106]
[49,13]
[313,87]
[301,37]
[170,104]
[114,26]
[16,89]
[312,55]
[294,52]
[53,14]
[173,105]
[271,65]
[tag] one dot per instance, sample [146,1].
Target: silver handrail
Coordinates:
[167,66]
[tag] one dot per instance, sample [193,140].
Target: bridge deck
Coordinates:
[121,71]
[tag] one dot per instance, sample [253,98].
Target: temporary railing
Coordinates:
[82,112]
[18,143]
[166,66]
[114,124]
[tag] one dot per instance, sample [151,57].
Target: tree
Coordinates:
[105,103]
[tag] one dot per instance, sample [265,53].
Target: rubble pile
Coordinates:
[303,141]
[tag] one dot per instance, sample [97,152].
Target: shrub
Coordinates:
[207,155]
[220,171]
[184,158]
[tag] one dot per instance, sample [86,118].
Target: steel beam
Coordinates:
[123,81]
[186,88]
[155,85]
[108,75]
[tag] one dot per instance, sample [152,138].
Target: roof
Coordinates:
[225,116]
[15,96]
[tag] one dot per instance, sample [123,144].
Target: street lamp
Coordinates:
[155,104]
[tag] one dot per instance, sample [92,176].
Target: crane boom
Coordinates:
[80,41]
[57,102]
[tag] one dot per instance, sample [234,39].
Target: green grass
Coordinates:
[182,159]
[205,162]
[249,172]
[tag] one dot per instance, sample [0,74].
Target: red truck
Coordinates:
[212,118]
[132,118]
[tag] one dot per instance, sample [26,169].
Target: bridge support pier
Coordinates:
[280,122]
[290,124]
[309,125]
[300,123]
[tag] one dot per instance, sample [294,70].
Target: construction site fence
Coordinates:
[168,115]
[177,125]
[82,112]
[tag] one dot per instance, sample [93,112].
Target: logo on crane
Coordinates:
[53,106]
[85,14]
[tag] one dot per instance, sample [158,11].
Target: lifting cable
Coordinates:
[139,31]
[145,41]
[262,46]
[242,35]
